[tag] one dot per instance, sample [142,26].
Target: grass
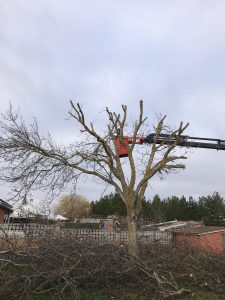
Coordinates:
[203,295]
[125,295]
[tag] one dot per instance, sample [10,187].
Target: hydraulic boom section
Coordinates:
[187,141]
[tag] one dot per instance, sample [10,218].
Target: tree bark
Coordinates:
[132,232]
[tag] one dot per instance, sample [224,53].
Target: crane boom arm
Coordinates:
[167,139]
[186,141]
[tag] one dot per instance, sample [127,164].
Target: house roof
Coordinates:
[200,230]
[6,205]
[179,225]
[172,225]
[26,210]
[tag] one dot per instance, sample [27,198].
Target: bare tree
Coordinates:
[35,161]
[73,206]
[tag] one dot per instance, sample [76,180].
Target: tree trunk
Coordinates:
[132,233]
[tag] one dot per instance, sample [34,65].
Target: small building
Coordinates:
[209,239]
[106,224]
[27,213]
[5,210]
[111,223]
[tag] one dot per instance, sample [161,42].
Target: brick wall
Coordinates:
[187,242]
[210,242]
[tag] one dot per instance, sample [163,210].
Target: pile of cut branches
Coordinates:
[62,265]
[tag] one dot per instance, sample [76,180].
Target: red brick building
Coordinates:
[209,239]
[5,211]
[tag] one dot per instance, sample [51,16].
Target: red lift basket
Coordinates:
[123,152]
[121,148]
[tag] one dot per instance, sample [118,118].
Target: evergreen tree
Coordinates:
[171,208]
[146,209]
[156,214]
[110,204]
[117,205]
[212,210]
[193,210]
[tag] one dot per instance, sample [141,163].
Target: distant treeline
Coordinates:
[210,209]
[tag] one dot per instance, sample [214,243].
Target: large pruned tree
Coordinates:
[34,161]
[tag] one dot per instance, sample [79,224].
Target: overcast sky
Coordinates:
[171,54]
